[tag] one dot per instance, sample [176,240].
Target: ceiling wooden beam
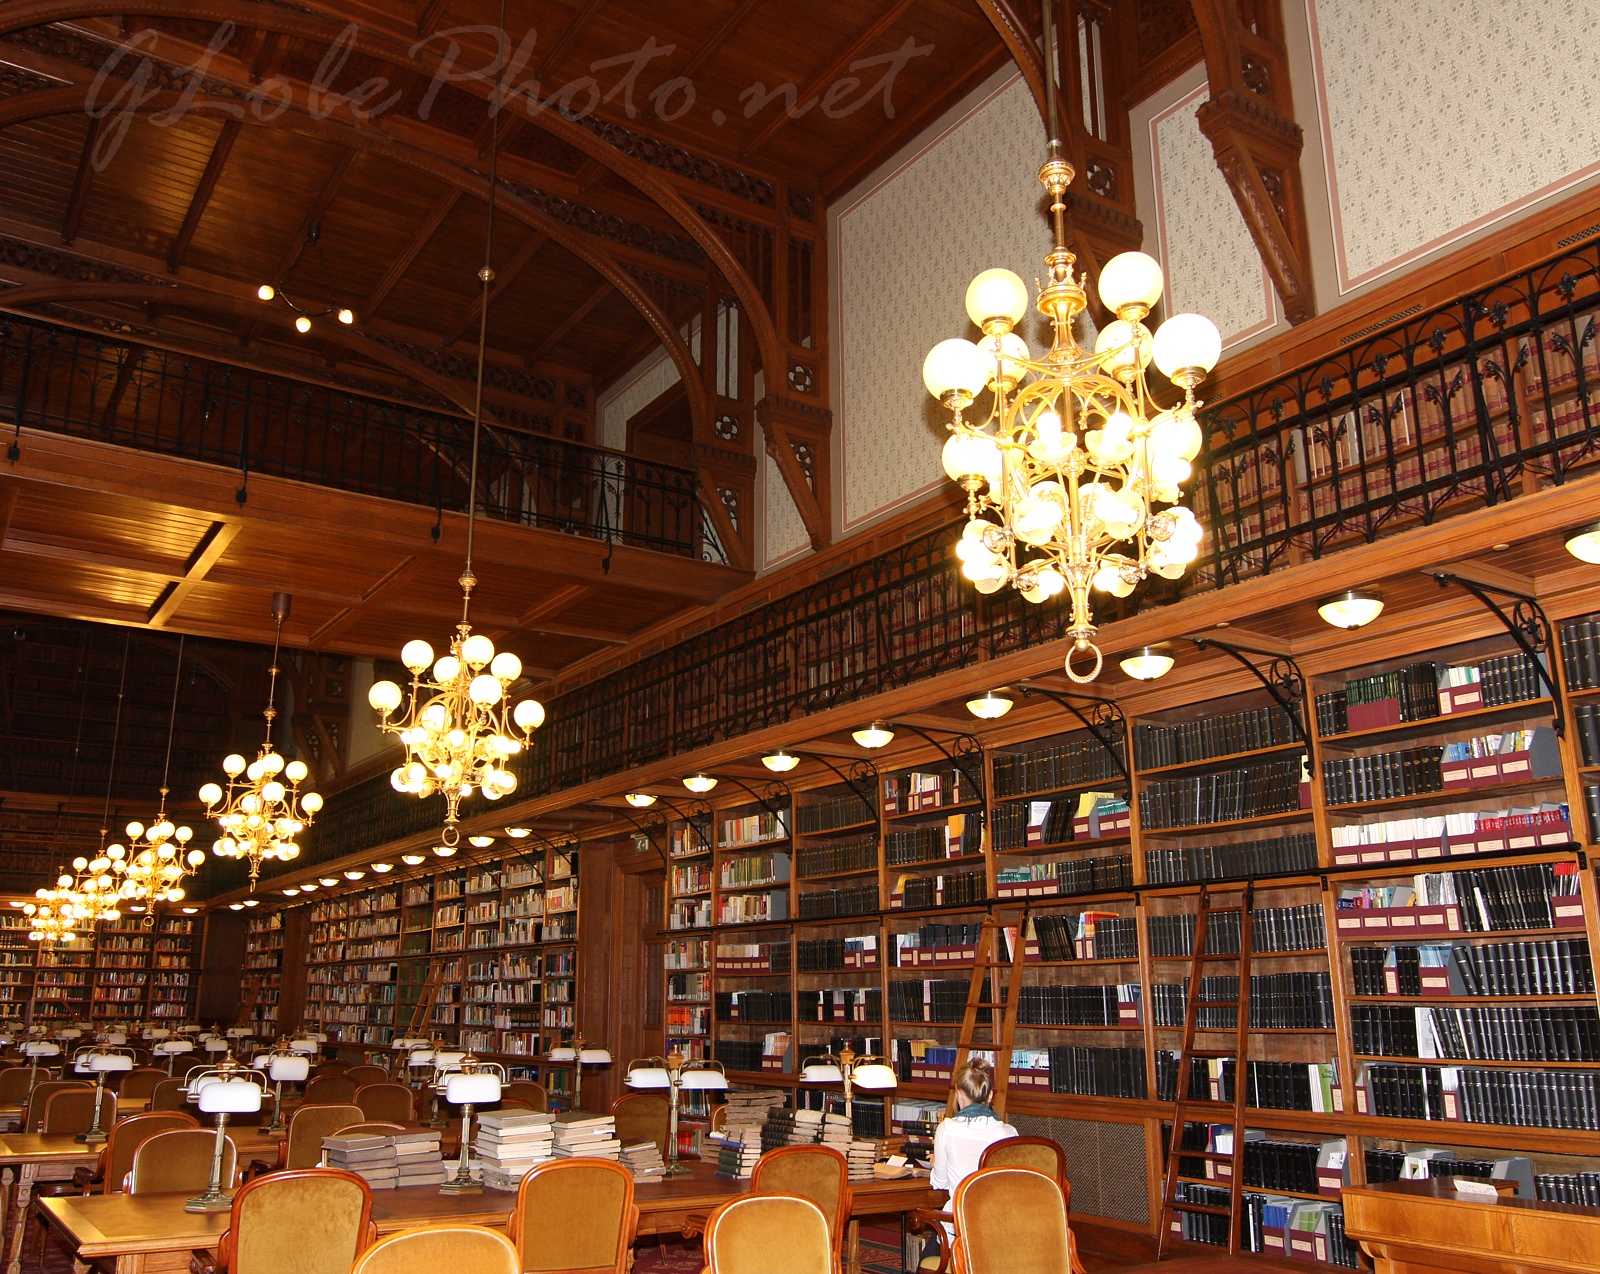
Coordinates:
[560,600]
[428,19]
[213,544]
[419,241]
[8,508]
[226,137]
[390,579]
[571,321]
[1492,575]
[717,38]
[78,200]
[836,66]
[319,209]
[503,279]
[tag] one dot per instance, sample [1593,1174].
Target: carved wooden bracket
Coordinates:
[797,436]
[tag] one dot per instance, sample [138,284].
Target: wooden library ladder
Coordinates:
[1192,1006]
[247,999]
[427,998]
[1002,1023]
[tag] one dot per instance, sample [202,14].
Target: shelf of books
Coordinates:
[1423,913]
[261,989]
[491,944]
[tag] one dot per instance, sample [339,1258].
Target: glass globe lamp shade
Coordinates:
[529,714]
[1584,543]
[477,650]
[1130,279]
[1353,608]
[384,696]
[955,368]
[990,705]
[971,455]
[1125,347]
[1147,663]
[997,295]
[876,735]
[505,666]
[1186,343]
[1007,356]
[416,655]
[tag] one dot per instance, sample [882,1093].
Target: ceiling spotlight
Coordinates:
[327,882]
[1584,543]
[699,784]
[519,833]
[640,800]
[347,317]
[252,902]
[291,892]
[382,868]
[189,911]
[480,842]
[354,873]
[235,906]
[445,851]
[302,325]
[1147,663]
[876,735]
[309,886]
[412,860]
[1355,608]
[780,762]
[991,705]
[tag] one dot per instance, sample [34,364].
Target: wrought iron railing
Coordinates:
[88,386]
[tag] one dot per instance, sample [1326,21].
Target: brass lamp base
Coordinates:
[91,1138]
[210,1201]
[676,1169]
[458,1186]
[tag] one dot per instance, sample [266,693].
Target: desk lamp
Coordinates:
[222,1093]
[675,1072]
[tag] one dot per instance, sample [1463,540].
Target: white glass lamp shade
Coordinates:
[41,1048]
[422,1057]
[649,1077]
[640,800]
[997,294]
[416,655]
[408,1045]
[703,1079]
[780,762]
[562,1054]
[1584,543]
[81,1066]
[595,1057]
[188,1028]
[157,1033]
[990,705]
[956,367]
[971,455]
[230,1097]
[1187,342]
[302,1046]
[261,1063]
[479,1088]
[822,1073]
[1147,663]
[70,1032]
[238,1032]
[288,1070]
[1130,278]
[104,1063]
[116,1038]
[1125,347]
[876,735]
[1352,608]
[173,1047]
[528,714]
[874,1075]
[449,1057]
[384,696]
[216,1044]
[700,784]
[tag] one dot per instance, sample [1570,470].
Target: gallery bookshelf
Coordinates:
[262,988]
[1299,839]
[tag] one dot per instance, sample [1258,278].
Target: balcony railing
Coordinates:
[87,386]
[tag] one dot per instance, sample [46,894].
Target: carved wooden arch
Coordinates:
[41,103]
[17,15]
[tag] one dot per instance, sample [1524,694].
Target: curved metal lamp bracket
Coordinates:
[648,831]
[776,795]
[862,778]
[963,751]
[1104,721]
[1282,679]
[1529,627]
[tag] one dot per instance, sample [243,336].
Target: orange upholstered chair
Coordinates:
[308,1125]
[329,1090]
[43,1091]
[1037,1153]
[642,1117]
[576,1216]
[168,1094]
[532,1094]
[367,1073]
[818,1173]
[308,1220]
[138,1084]
[179,1160]
[385,1100]
[769,1234]
[14,1085]
[116,1157]
[1011,1221]
[371,1128]
[72,1110]
[471,1249]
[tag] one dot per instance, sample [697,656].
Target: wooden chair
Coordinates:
[301,1146]
[330,1090]
[642,1117]
[533,1095]
[371,1128]
[385,1100]
[43,1091]
[719,1118]
[366,1073]
[180,1161]
[168,1094]
[576,1216]
[1037,1153]
[139,1084]
[308,1220]
[13,1085]
[1011,1221]
[818,1173]
[769,1234]
[71,1110]
[472,1249]
[116,1157]
[331,1067]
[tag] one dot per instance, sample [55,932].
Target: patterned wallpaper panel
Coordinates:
[906,246]
[1210,260]
[783,531]
[1439,116]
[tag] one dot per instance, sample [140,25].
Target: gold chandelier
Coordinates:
[458,728]
[56,913]
[1066,476]
[261,813]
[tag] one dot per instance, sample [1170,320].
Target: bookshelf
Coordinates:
[262,988]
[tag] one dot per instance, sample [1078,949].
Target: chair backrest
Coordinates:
[309,1220]
[574,1215]
[642,1117]
[13,1085]
[168,1094]
[719,1117]
[1039,1153]
[769,1234]
[43,1091]
[328,1090]
[72,1110]
[1011,1221]
[473,1248]
[371,1128]
[116,1159]
[329,1068]
[385,1100]
[527,1091]
[180,1160]
[366,1073]
[818,1173]
[139,1083]
[309,1125]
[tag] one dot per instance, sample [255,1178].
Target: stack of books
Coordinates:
[510,1142]
[861,1156]
[807,1127]
[747,1108]
[579,1133]
[644,1161]
[418,1157]
[371,1158]
[836,1132]
[739,1153]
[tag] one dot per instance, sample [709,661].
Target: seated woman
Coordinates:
[961,1139]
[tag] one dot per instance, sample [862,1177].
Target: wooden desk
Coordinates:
[152,1234]
[28,1158]
[1425,1227]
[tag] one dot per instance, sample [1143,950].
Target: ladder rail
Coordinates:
[1002,1021]
[428,996]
